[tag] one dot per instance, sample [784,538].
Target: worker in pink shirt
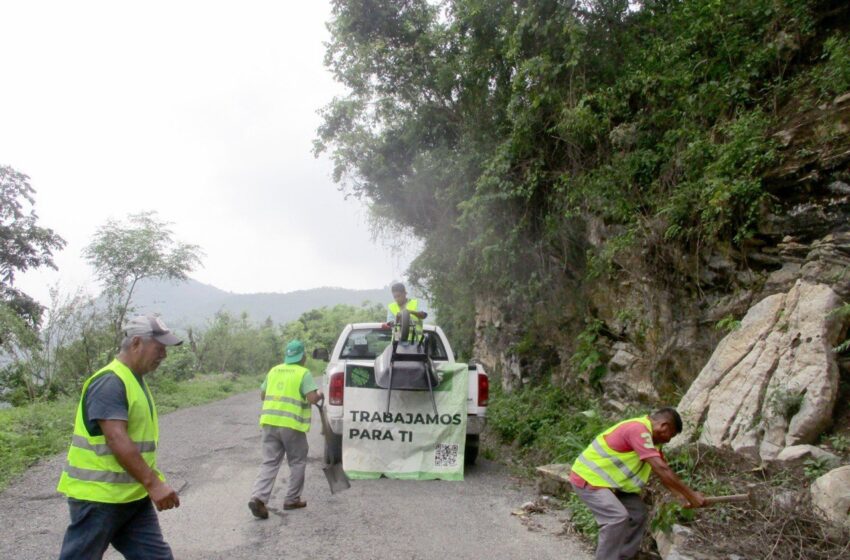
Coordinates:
[610,473]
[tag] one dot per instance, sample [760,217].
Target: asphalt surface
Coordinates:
[211,454]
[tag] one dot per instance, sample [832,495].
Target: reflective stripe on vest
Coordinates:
[104,449]
[411,305]
[283,405]
[92,472]
[602,466]
[98,476]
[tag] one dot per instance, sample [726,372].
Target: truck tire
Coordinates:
[333,450]
[471,452]
[404,325]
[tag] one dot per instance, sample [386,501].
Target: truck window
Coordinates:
[436,350]
[367,344]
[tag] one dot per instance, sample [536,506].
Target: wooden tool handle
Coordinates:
[723,499]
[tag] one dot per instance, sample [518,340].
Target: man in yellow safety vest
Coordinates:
[400,301]
[111,476]
[610,473]
[287,394]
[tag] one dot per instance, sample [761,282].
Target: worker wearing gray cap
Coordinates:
[111,476]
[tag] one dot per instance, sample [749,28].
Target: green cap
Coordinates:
[294,352]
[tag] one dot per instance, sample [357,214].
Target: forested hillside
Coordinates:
[602,175]
[625,204]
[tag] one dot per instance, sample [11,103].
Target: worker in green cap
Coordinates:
[287,394]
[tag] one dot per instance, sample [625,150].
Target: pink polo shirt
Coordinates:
[631,436]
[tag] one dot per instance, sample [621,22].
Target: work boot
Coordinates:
[258,508]
[299,503]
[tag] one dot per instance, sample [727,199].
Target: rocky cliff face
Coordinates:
[771,383]
[660,308]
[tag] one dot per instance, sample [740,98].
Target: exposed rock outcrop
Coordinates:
[773,382]
[660,304]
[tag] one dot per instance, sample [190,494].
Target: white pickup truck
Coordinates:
[355,353]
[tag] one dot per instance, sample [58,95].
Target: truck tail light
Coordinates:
[336,388]
[483,389]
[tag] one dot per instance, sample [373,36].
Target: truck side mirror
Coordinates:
[321,354]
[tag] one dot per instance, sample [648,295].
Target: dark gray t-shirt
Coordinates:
[106,399]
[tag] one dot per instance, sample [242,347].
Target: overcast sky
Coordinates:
[202,111]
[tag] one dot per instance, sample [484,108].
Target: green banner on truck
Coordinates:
[410,440]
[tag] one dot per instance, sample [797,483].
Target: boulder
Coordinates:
[669,542]
[771,383]
[797,454]
[831,496]
[672,544]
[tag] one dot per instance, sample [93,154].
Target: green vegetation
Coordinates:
[728,324]
[840,443]
[581,517]
[549,424]
[668,514]
[171,395]
[587,358]
[29,433]
[842,313]
[24,245]
[44,366]
[498,131]
[138,246]
[817,466]
[320,328]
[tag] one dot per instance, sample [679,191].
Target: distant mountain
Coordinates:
[192,303]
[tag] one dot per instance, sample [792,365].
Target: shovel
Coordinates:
[337,479]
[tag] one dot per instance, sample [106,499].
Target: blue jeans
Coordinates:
[132,528]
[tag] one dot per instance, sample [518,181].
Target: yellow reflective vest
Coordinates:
[92,471]
[283,405]
[411,305]
[601,466]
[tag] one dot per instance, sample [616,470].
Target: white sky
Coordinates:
[202,111]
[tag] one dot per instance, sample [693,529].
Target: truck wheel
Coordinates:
[471,452]
[404,325]
[333,450]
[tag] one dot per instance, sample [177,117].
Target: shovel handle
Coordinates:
[724,499]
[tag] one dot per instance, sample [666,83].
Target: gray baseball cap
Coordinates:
[152,326]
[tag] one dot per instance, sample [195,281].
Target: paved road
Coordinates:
[213,452]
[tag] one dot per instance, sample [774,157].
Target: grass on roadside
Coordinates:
[171,395]
[29,433]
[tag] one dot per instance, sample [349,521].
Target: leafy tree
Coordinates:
[74,340]
[497,131]
[234,344]
[140,246]
[320,328]
[23,245]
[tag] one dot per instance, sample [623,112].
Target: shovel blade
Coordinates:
[337,479]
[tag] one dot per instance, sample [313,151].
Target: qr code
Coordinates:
[445,455]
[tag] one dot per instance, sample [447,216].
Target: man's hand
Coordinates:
[696,500]
[313,397]
[386,326]
[674,483]
[163,496]
[128,456]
